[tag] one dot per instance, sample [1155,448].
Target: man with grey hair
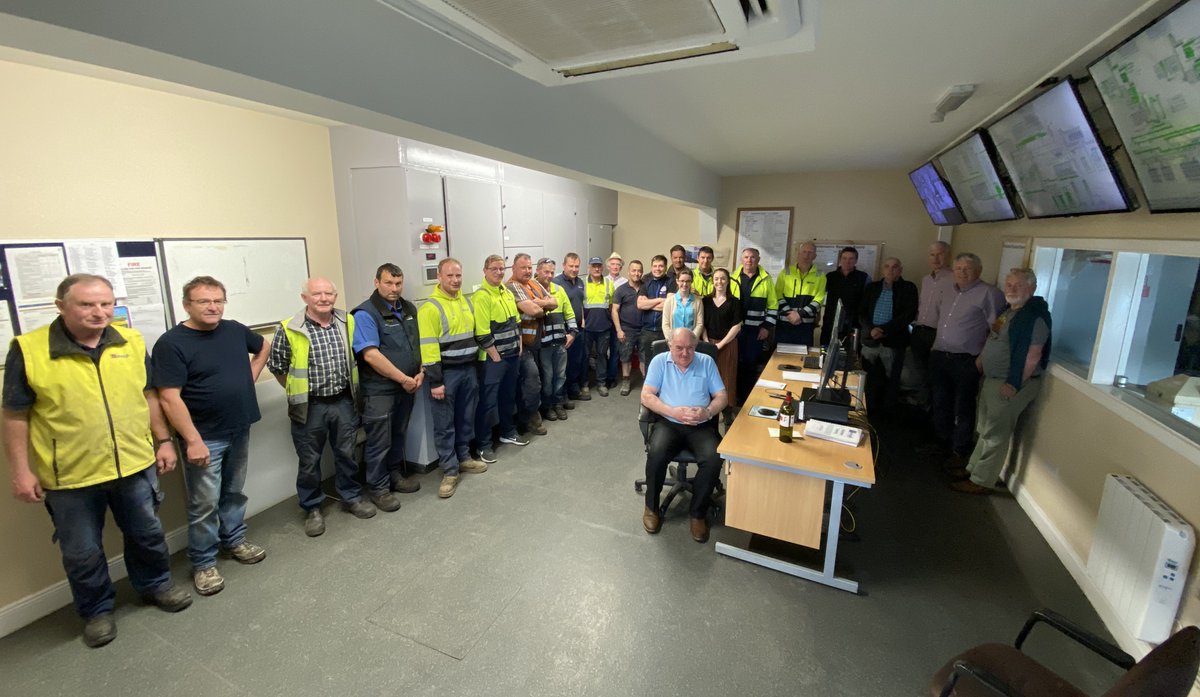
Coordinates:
[1012,363]
[924,329]
[312,357]
[966,311]
[685,389]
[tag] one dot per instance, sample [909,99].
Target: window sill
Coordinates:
[1155,421]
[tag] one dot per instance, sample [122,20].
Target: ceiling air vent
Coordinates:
[559,41]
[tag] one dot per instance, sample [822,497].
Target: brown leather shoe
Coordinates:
[969,487]
[699,529]
[651,520]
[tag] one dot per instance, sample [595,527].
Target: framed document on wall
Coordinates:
[769,230]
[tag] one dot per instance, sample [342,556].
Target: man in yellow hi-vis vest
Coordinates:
[312,357]
[84,433]
[449,352]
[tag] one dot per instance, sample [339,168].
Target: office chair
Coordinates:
[998,669]
[680,482]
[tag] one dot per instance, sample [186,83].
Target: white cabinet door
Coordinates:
[522,216]
[600,241]
[561,234]
[473,225]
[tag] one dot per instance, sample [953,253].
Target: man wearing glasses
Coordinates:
[206,385]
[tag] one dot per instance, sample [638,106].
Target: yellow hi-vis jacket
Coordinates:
[90,423]
[761,305]
[496,319]
[447,328]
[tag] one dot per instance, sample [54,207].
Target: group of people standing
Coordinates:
[92,416]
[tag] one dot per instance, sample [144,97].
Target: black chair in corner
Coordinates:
[998,669]
[681,482]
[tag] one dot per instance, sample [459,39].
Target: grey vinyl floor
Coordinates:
[536,578]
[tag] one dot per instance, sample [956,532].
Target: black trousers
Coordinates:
[666,442]
[921,343]
[955,385]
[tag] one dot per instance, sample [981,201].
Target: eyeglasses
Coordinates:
[545,260]
[495,269]
[209,303]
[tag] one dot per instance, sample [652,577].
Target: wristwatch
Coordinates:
[159,441]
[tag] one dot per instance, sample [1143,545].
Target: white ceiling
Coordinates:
[862,99]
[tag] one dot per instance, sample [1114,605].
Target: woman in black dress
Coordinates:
[722,322]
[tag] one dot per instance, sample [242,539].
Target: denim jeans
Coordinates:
[454,416]
[78,516]
[497,399]
[385,423]
[337,423]
[216,506]
[553,362]
[666,441]
[576,375]
[614,359]
[598,345]
[529,385]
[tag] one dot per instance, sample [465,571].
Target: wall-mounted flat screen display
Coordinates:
[1055,159]
[972,176]
[1151,86]
[935,195]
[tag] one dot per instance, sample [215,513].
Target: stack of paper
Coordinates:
[795,349]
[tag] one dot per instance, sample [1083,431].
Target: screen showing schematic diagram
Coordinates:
[972,176]
[1151,86]
[1055,159]
[935,196]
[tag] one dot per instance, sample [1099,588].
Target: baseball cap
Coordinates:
[595,260]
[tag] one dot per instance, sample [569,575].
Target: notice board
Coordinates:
[263,277]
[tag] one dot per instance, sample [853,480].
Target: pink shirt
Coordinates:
[932,285]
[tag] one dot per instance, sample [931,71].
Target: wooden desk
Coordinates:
[777,489]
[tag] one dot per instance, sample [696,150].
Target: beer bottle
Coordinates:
[787,418]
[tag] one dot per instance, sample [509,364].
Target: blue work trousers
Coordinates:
[598,344]
[529,383]
[216,506]
[497,399]
[454,416]
[385,423]
[576,375]
[78,517]
[335,422]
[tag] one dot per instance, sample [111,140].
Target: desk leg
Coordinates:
[826,576]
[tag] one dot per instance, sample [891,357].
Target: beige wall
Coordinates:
[647,226]
[1075,440]
[867,206]
[84,157]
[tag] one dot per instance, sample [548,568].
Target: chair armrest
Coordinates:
[983,677]
[1104,649]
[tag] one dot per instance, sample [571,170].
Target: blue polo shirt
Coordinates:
[691,388]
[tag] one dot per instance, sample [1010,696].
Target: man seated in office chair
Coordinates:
[685,389]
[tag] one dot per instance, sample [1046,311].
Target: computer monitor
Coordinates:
[832,355]
[826,402]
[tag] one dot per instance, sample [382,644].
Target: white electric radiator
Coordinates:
[1140,556]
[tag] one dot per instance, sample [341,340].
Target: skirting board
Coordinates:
[1078,569]
[37,605]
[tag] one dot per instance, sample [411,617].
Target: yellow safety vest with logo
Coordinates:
[90,423]
[797,291]
[559,321]
[296,384]
[496,318]
[597,304]
[447,333]
[701,285]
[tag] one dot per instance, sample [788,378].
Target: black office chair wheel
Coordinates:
[637,486]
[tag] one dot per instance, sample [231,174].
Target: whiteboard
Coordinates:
[869,255]
[767,229]
[262,276]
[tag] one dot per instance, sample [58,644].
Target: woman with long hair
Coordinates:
[683,308]
[723,321]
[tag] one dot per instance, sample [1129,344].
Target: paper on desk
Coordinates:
[802,377]
[774,433]
[771,384]
[795,349]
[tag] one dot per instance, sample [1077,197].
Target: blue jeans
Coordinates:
[598,345]
[497,399]
[553,362]
[216,507]
[614,359]
[576,375]
[385,422]
[78,516]
[336,422]
[454,416]
[529,384]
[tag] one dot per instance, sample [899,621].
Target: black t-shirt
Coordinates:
[214,371]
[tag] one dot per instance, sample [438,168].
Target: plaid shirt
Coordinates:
[328,373]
